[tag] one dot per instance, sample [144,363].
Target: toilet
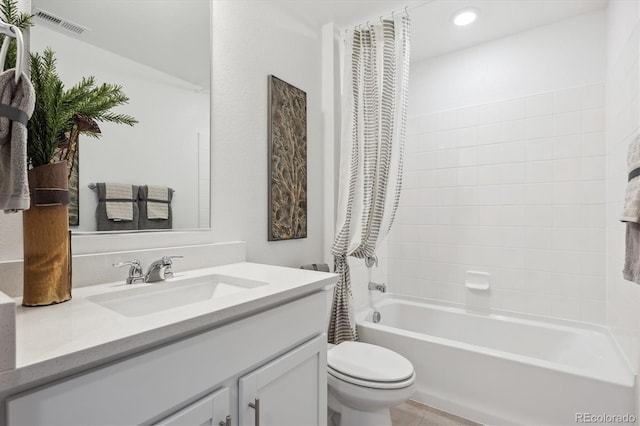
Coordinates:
[365,381]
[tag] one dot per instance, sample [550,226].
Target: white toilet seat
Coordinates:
[370,366]
[372,384]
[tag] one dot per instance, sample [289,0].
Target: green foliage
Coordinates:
[11,15]
[56,108]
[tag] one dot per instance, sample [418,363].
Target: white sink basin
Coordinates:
[145,299]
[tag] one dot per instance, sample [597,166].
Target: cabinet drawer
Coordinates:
[152,385]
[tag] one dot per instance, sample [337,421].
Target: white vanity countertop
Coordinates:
[77,334]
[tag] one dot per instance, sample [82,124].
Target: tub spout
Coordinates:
[376,286]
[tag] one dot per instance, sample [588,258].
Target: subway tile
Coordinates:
[568,123]
[539,127]
[467,136]
[569,146]
[568,169]
[514,109]
[468,156]
[593,144]
[514,152]
[489,113]
[539,149]
[593,168]
[539,216]
[467,117]
[490,154]
[428,123]
[539,171]
[447,139]
[539,193]
[467,176]
[489,133]
[593,120]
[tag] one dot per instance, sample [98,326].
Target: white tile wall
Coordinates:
[514,188]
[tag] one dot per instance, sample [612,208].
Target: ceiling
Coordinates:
[432,32]
[173,35]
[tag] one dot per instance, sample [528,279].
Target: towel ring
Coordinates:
[19,51]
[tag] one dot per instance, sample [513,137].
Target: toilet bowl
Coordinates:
[365,381]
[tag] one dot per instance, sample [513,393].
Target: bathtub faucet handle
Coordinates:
[381,287]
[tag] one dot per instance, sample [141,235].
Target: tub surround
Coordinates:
[59,340]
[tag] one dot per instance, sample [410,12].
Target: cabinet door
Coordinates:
[212,410]
[291,390]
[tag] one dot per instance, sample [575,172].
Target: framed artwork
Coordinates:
[287,161]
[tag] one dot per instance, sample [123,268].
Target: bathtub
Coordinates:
[504,367]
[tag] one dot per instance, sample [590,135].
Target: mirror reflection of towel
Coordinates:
[158,202]
[119,199]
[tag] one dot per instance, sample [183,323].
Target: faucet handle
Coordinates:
[135,270]
[168,260]
[134,262]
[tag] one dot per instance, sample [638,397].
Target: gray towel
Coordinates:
[103,222]
[155,209]
[631,269]
[120,199]
[143,202]
[14,187]
[323,267]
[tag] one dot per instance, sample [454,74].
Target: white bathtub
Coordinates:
[503,367]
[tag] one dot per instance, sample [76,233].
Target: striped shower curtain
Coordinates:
[374,111]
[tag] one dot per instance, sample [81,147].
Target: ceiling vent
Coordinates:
[60,23]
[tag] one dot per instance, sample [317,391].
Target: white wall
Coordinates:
[505,174]
[252,39]
[623,120]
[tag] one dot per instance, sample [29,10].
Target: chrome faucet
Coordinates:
[160,269]
[379,287]
[135,271]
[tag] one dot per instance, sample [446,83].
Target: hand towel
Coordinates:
[631,214]
[157,202]
[631,211]
[323,267]
[120,199]
[143,203]
[104,223]
[16,106]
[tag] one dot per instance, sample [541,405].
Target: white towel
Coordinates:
[14,186]
[157,210]
[631,211]
[119,210]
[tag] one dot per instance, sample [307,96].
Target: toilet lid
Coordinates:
[369,362]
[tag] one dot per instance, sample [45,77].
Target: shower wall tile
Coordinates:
[516,189]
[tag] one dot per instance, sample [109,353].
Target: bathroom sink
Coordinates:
[157,297]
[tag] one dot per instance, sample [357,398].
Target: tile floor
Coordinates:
[414,414]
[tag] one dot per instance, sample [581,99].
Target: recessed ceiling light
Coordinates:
[465,17]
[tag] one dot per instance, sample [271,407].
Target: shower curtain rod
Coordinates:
[406,10]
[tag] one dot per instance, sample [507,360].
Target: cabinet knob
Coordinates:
[226,422]
[256,406]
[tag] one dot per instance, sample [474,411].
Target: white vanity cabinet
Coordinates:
[290,390]
[277,355]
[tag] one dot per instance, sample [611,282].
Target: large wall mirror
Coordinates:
[159,51]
